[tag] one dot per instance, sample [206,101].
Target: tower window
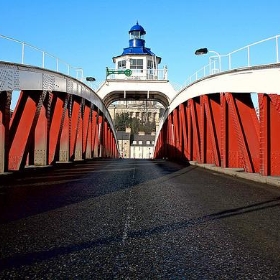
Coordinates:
[151,64]
[122,64]
[136,64]
[135,34]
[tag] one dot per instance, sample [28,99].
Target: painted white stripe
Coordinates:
[129,208]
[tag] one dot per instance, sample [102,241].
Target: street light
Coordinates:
[90,79]
[201,51]
[205,51]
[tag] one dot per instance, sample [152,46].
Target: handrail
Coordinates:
[79,73]
[210,68]
[205,71]
[139,74]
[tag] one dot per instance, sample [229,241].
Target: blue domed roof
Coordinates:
[137,27]
[136,43]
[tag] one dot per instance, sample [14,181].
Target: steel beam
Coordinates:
[22,128]
[5,116]
[269,109]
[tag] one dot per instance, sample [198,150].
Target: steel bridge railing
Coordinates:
[243,57]
[31,55]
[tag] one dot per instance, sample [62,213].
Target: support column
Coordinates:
[94,142]
[100,136]
[243,146]
[22,128]
[183,131]
[269,108]
[41,136]
[194,108]
[75,115]
[87,135]
[5,115]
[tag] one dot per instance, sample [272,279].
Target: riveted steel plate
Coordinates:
[14,76]
[9,78]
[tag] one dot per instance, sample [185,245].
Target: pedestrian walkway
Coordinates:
[239,172]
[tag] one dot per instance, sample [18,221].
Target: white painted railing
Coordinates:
[24,53]
[262,52]
[140,74]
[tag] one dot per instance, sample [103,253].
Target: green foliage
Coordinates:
[123,120]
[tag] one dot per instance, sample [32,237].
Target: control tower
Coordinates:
[142,62]
[136,75]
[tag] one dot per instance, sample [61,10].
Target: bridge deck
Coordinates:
[138,219]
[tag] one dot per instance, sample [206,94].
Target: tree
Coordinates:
[123,120]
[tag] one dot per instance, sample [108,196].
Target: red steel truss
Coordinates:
[224,129]
[48,127]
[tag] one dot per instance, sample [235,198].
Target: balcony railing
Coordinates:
[138,74]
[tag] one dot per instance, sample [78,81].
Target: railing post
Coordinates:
[43,63]
[248,56]
[229,62]
[277,57]
[22,53]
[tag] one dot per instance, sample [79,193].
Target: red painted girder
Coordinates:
[63,148]
[269,109]
[183,131]
[75,116]
[212,112]
[170,133]
[22,127]
[79,136]
[194,108]
[38,153]
[176,128]
[112,144]
[105,139]
[224,131]
[94,121]
[202,131]
[59,111]
[86,130]
[109,148]
[5,116]
[87,138]
[100,135]
[189,131]
[244,130]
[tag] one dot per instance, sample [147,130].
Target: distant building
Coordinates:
[142,145]
[151,112]
[124,142]
[138,146]
[144,65]
[137,62]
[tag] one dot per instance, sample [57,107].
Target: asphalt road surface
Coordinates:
[137,219]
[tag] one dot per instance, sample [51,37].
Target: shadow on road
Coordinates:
[37,190]
[30,258]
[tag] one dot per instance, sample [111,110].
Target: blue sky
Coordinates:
[88,33]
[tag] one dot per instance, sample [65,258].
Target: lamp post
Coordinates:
[82,73]
[90,80]
[205,51]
